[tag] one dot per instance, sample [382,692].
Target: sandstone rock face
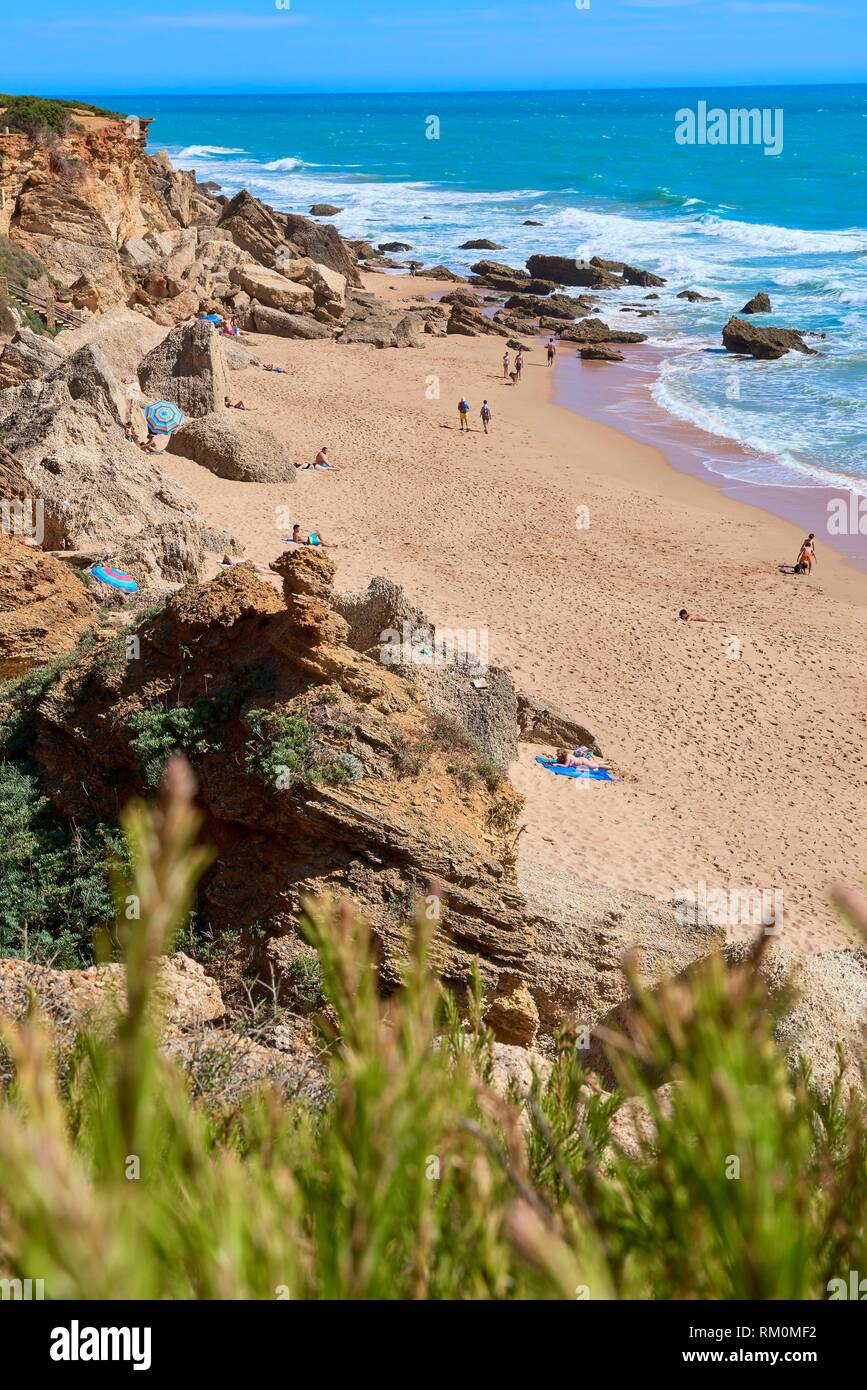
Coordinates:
[828,992]
[28,355]
[759,304]
[232,446]
[323,244]
[378,837]
[564,271]
[187,996]
[387,627]
[274,290]
[253,227]
[44,607]
[280,324]
[123,337]
[765,343]
[188,368]
[69,236]
[222,1066]
[67,449]
[583,930]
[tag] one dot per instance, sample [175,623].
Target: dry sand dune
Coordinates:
[743,762]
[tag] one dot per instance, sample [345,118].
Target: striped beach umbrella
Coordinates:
[163,417]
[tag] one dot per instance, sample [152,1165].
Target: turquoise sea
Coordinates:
[604,174]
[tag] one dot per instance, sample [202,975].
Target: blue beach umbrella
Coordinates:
[163,417]
[211,318]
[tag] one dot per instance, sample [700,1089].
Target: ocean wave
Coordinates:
[205,151]
[285,165]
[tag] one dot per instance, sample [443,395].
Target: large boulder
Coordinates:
[595,331]
[471,323]
[233,446]
[632,274]
[123,337]
[44,607]
[324,210]
[28,355]
[765,343]
[274,289]
[254,227]
[189,368]
[323,244]
[564,270]
[554,306]
[277,322]
[482,244]
[539,722]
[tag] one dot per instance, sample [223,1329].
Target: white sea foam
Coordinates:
[205,151]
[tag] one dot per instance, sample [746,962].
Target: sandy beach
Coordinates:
[741,746]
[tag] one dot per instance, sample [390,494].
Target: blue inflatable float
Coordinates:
[116,579]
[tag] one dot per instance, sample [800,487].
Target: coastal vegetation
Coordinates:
[421,1177]
[32,115]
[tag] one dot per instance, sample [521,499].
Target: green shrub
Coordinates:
[36,115]
[159,733]
[54,882]
[18,266]
[282,749]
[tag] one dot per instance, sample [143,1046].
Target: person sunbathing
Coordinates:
[269,367]
[234,405]
[300,537]
[687,617]
[320,461]
[580,758]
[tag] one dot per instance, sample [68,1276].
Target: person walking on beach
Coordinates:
[552,351]
[807,555]
[464,414]
[485,414]
[519,365]
[505,365]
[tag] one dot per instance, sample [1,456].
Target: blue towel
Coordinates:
[595,774]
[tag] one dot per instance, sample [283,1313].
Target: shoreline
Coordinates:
[723,762]
[598,391]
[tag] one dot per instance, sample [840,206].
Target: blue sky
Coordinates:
[74,46]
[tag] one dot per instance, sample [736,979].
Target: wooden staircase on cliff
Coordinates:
[39,295]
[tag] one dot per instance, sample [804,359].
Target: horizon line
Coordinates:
[459,91]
